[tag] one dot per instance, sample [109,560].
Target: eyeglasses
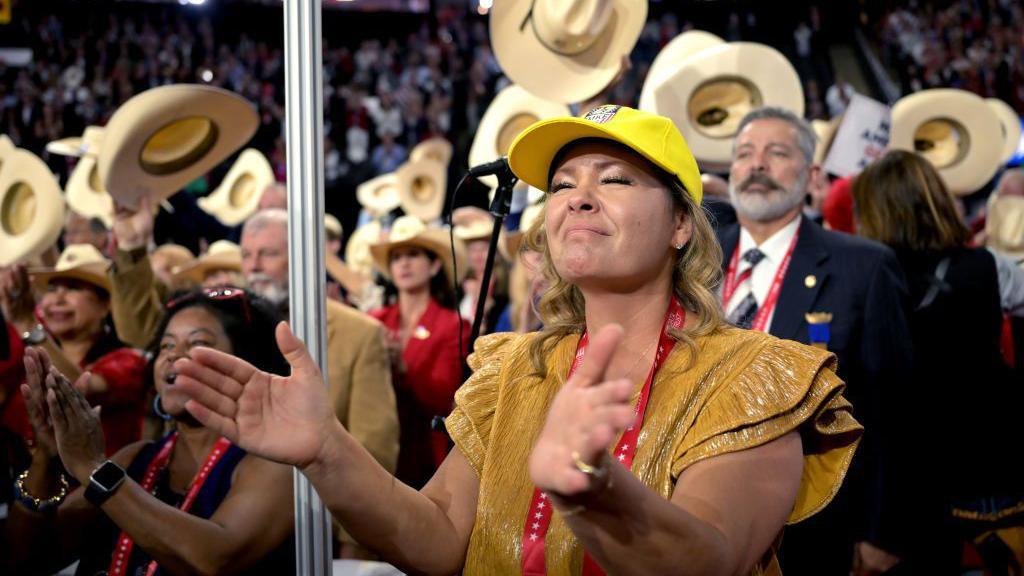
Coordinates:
[220,293]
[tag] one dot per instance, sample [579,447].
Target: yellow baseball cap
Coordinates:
[653,137]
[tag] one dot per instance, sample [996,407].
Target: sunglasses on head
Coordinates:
[219,293]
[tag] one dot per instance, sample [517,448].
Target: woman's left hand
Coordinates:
[80,441]
[586,416]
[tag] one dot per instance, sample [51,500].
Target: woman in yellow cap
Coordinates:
[664,440]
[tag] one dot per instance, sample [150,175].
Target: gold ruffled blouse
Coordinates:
[744,389]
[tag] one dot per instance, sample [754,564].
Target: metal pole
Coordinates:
[304,140]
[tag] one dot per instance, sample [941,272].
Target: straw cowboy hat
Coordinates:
[1004,225]
[379,195]
[511,111]
[168,136]
[86,144]
[1011,127]
[84,191]
[825,130]
[565,50]
[357,251]
[238,195]
[411,231]
[709,93]
[953,129]
[422,187]
[668,59]
[80,262]
[435,148]
[31,207]
[221,255]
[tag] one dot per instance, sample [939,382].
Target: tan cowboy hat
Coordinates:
[168,136]
[87,144]
[1011,127]
[176,253]
[411,231]
[238,195]
[953,129]
[422,187]
[221,255]
[379,195]
[670,57]
[31,207]
[825,130]
[85,193]
[709,93]
[565,50]
[1004,225]
[332,226]
[79,261]
[357,251]
[435,148]
[512,111]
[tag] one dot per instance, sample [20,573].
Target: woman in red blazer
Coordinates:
[424,338]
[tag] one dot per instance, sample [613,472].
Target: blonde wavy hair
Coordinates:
[696,276]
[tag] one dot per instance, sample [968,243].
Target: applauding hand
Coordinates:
[586,416]
[281,418]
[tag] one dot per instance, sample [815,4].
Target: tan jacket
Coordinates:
[358,367]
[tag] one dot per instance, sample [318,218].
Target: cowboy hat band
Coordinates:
[31,207]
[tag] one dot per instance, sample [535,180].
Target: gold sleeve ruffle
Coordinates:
[469,424]
[786,386]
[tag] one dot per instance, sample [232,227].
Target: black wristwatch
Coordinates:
[104,481]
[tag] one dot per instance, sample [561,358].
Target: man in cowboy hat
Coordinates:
[788,276]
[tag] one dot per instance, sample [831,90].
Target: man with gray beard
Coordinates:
[787,276]
[358,367]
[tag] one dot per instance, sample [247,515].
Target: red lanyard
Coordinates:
[539,518]
[123,551]
[732,282]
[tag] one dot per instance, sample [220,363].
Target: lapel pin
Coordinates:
[811,281]
[819,328]
[421,333]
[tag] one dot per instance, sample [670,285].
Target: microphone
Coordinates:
[495,167]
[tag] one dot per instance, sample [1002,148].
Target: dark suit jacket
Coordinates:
[861,283]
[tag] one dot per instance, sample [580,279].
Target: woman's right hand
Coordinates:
[37,366]
[286,419]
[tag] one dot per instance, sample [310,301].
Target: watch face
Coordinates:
[108,475]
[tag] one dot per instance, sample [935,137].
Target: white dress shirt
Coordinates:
[774,249]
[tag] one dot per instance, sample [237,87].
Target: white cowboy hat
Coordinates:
[6,146]
[422,187]
[87,144]
[332,226]
[164,138]
[708,94]
[79,261]
[85,193]
[411,231]
[953,129]
[221,255]
[435,148]
[825,130]
[379,195]
[565,50]
[357,251]
[512,111]
[31,207]
[238,195]
[670,57]
[1004,225]
[1011,127]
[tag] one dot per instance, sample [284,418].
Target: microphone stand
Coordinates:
[500,208]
